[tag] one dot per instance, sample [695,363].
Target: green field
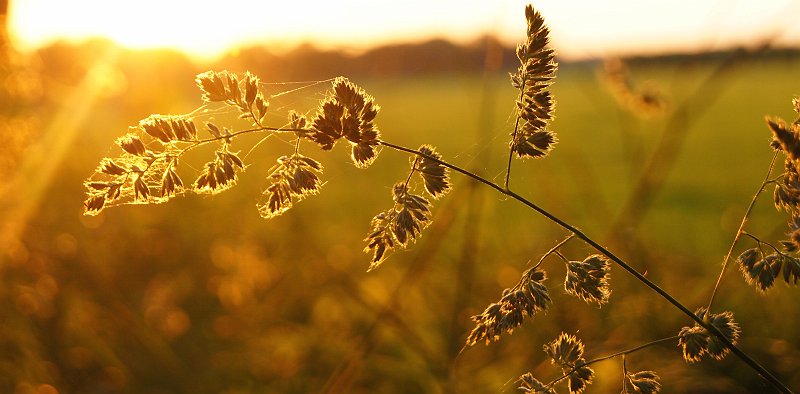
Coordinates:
[202,295]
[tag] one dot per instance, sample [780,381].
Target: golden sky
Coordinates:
[580,28]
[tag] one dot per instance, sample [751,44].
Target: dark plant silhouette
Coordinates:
[149,169]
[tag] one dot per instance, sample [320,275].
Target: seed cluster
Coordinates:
[536,72]
[292,179]
[528,297]
[566,351]
[696,341]
[349,113]
[588,279]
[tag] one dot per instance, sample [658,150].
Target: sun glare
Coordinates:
[208,28]
[580,29]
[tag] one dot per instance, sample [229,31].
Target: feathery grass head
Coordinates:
[786,137]
[530,385]
[536,72]
[291,179]
[787,189]
[144,170]
[348,113]
[759,270]
[218,86]
[227,88]
[528,297]
[433,173]
[588,279]
[696,341]
[566,351]
[400,226]
[645,382]
[219,174]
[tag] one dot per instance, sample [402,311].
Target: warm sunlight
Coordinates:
[406,196]
[580,29]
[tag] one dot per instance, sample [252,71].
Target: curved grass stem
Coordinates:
[552,250]
[741,231]
[610,356]
[624,265]
[514,138]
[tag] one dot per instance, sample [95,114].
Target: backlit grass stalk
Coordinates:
[740,231]
[586,364]
[627,267]
[346,115]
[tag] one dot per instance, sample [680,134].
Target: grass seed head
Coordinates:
[566,351]
[588,279]
[644,382]
[530,385]
[348,113]
[291,180]
[527,298]
[534,75]
[697,341]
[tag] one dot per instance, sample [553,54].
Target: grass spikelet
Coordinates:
[530,385]
[109,167]
[433,173]
[217,85]
[252,103]
[693,341]
[140,188]
[138,175]
[588,279]
[292,179]
[728,327]
[168,128]
[528,297]
[244,94]
[398,226]
[567,352]
[787,137]
[348,113]
[170,182]
[645,382]
[535,105]
[132,144]
[696,341]
[219,174]
[787,190]
[760,271]
[791,270]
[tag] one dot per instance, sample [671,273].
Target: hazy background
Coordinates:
[658,157]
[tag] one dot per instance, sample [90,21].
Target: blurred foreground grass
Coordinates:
[201,295]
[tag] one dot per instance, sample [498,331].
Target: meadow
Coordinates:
[202,295]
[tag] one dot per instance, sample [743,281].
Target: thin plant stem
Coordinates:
[624,373]
[552,250]
[225,138]
[511,155]
[610,356]
[514,137]
[741,231]
[760,242]
[624,265]
[199,142]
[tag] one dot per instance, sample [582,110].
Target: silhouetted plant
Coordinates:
[148,170]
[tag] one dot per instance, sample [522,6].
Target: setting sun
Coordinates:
[580,29]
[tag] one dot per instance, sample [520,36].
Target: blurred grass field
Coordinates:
[202,295]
